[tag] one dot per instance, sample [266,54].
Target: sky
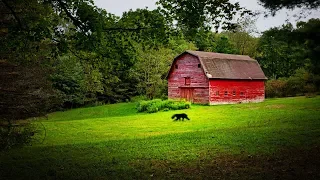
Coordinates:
[117,7]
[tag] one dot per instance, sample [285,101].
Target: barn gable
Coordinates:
[187,80]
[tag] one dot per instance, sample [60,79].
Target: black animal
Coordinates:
[182,116]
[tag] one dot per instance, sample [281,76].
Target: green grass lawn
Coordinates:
[276,139]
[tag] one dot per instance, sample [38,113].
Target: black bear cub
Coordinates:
[182,116]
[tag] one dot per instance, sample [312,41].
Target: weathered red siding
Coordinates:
[199,83]
[245,91]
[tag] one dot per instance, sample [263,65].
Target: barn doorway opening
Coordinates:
[187,94]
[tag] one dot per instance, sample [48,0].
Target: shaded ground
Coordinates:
[285,164]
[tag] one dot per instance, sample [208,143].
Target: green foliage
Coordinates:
[211,42]
[69,78]
[244,43]
[179,44]
[224,45]
[275,5]
[283,50]
[150,69]
[243,37]
[35,34]
[291,54]
[154,29]
[156,105]
[308,34]
[13,135]
[25,91]
[139,98]
[280,53]
[302,82]
[191,16]
[205,40]
[276,88]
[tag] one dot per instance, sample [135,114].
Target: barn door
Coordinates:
[187,94]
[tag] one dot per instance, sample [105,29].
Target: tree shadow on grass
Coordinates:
[106,111]
[93,162]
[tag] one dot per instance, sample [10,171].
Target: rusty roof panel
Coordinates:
[229,66]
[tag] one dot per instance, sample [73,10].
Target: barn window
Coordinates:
[217,93]
[241,93]
[176,66]
[199,65]
[187,81]
[234,93]
[226,93]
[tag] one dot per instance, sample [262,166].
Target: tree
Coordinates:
[244,43]
[151,68]
[191,16]
[223,45]
[154,30]
[280,54]
[308,33]
[204,40]
[69,79]
[243,36]
[275,5]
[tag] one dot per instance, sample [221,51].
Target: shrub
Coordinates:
[152,109]
[310,90]
[142,106]
[276,87]
[16,135]
[156,105]
[302,82]
[174,106]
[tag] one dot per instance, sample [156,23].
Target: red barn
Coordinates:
[215,78]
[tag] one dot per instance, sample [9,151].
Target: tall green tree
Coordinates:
[280,54]
[308,33]
[224,45]
[243,36]
[192,16]
[26,45]
[151,26]
[276,5]
[205,40]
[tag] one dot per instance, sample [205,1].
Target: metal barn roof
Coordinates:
[228,66]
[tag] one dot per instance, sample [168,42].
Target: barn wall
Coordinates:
[253,91]
[188,67]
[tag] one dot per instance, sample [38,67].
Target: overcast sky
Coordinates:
[117,7]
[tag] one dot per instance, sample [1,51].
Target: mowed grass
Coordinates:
[227,141]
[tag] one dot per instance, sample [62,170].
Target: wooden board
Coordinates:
[187,94]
